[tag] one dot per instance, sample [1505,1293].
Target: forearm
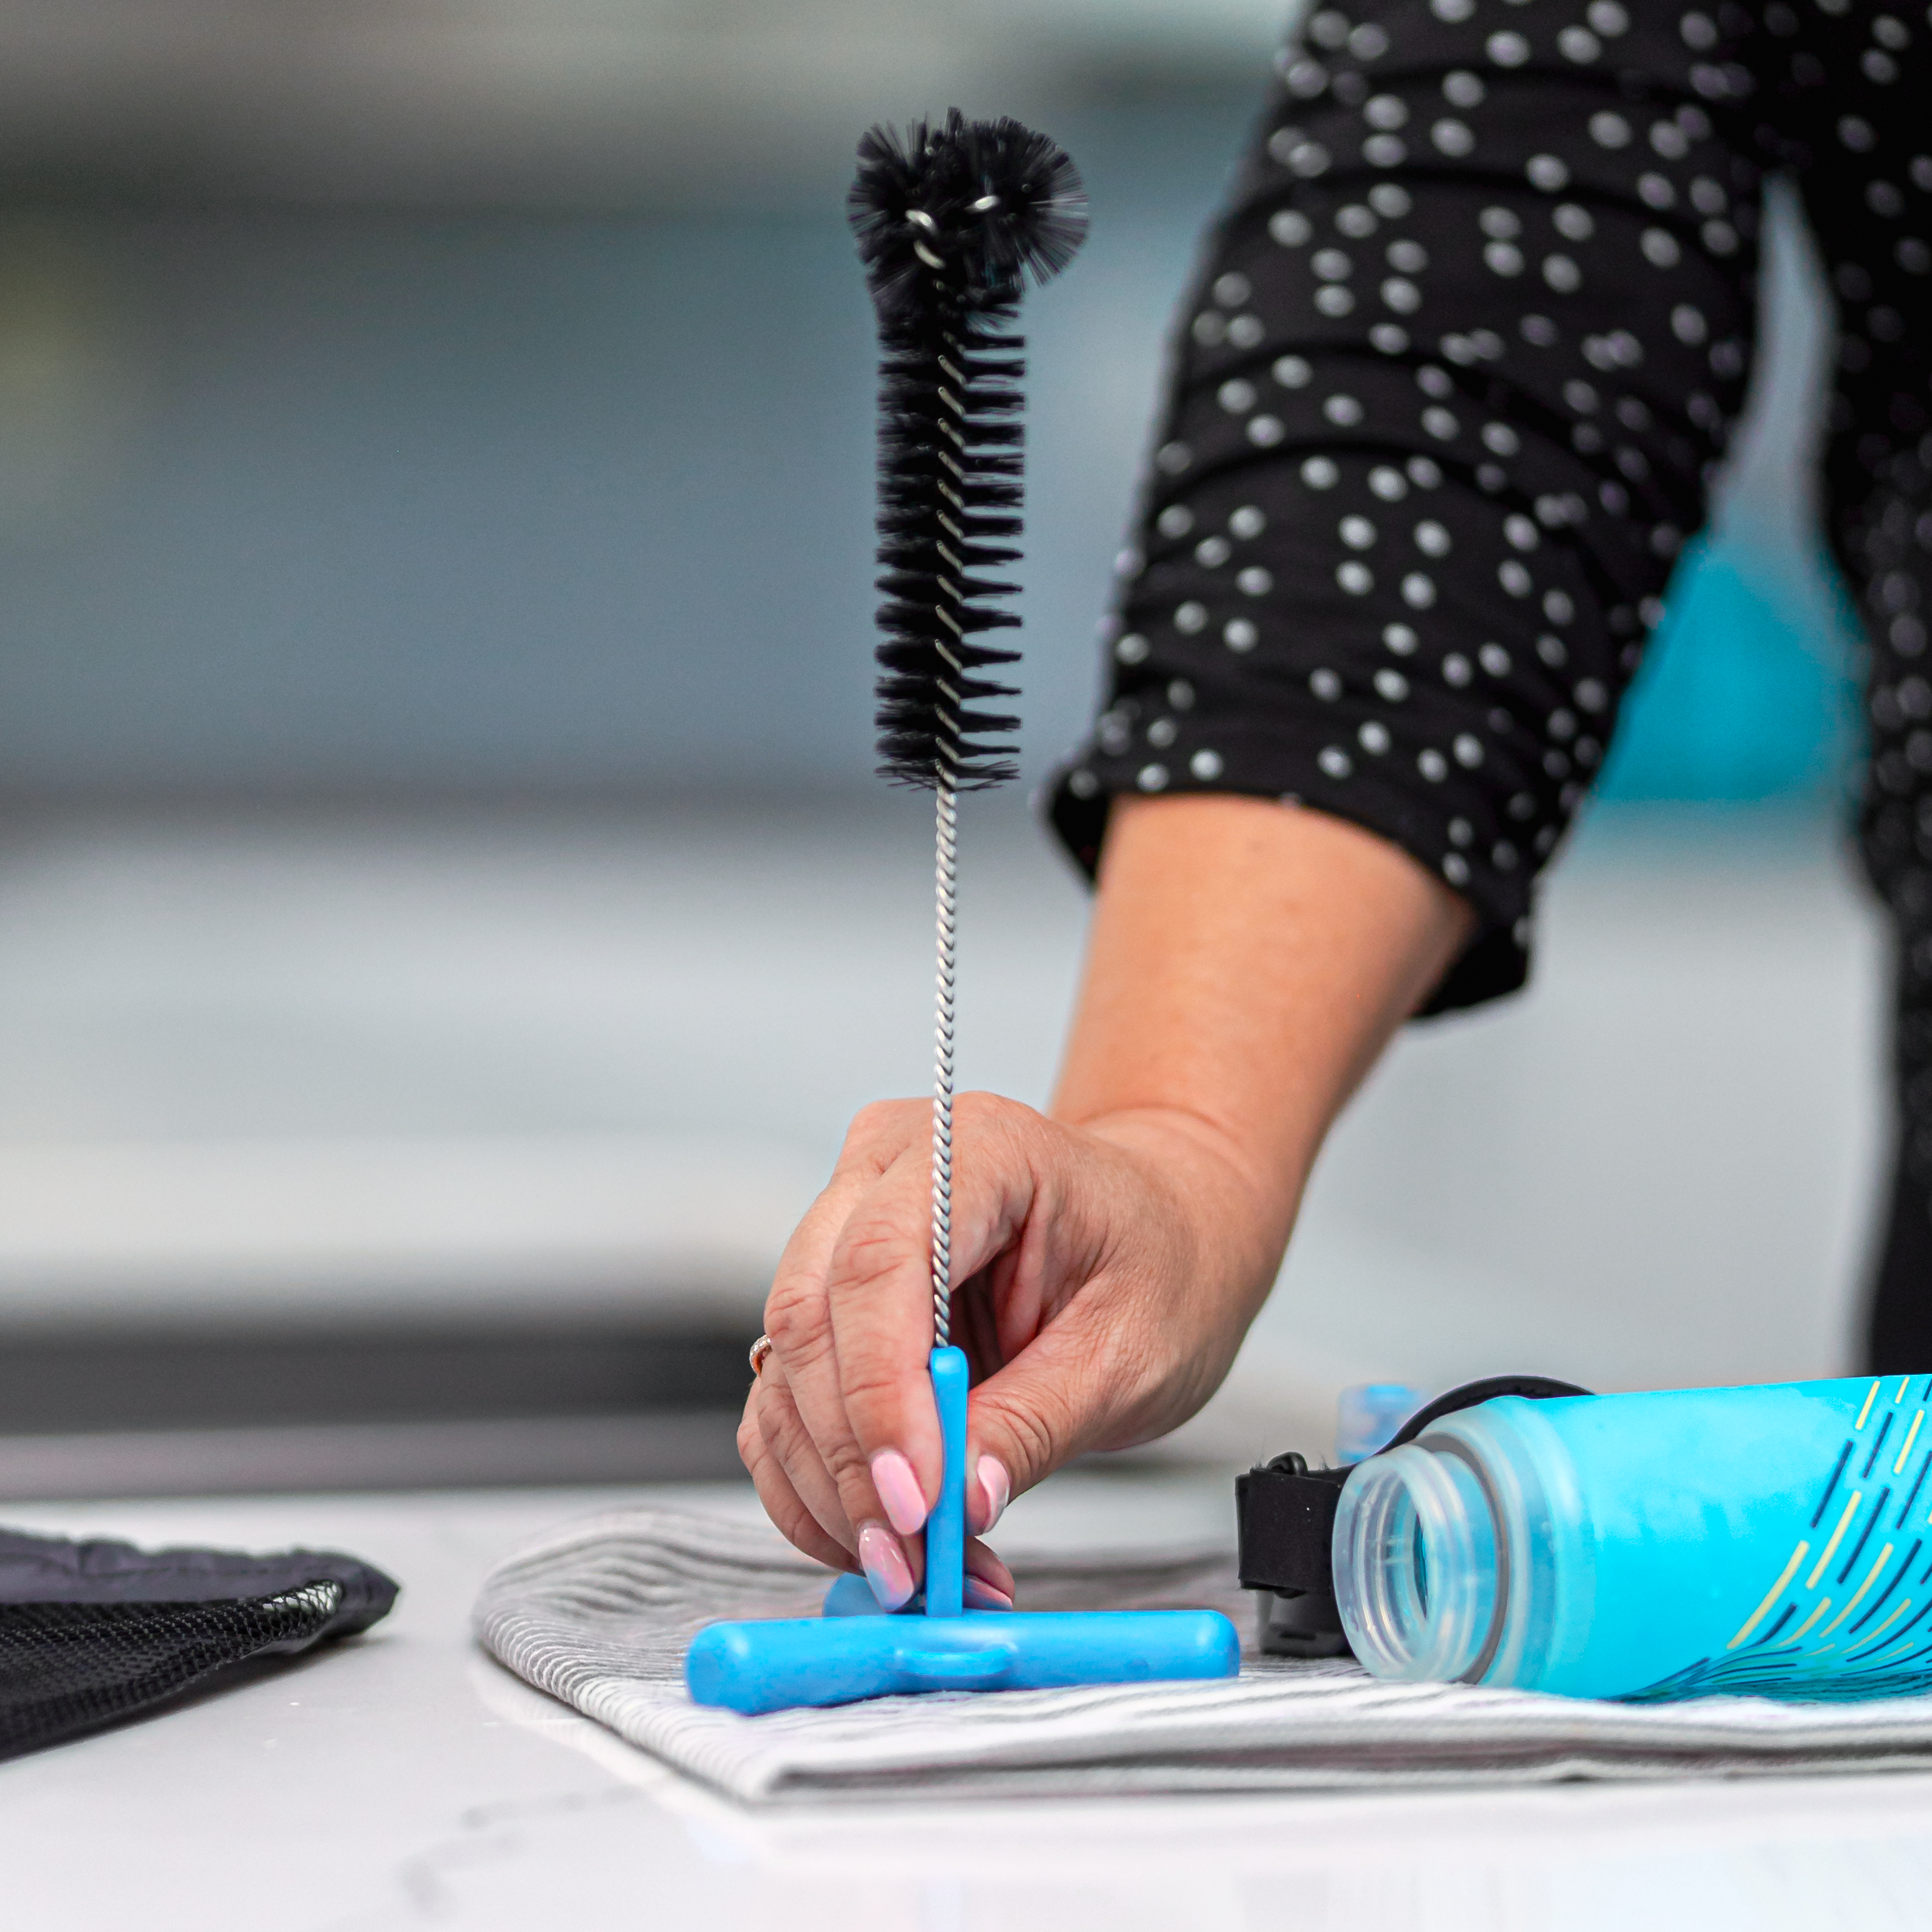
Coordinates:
[1248,963]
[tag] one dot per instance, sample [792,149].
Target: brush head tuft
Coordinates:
[953,222]
[967,212]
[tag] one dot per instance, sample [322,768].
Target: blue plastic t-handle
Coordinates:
[946,1527]
[847,1654]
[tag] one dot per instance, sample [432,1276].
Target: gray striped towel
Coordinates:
[598,1613]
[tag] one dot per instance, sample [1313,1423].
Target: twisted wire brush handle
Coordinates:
[946,906]
[952,680]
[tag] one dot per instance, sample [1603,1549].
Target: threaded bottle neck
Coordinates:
[1418,1573]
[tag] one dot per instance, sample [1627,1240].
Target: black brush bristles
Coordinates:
[953,223]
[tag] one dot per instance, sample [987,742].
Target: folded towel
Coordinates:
[598,1613]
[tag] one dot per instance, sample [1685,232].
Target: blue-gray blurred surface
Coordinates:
[321,501]
[332,501]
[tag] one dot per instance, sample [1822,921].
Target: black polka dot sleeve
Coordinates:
[1446,400]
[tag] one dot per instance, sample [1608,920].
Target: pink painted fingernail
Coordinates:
[887,1570]
[892,1476]
[981,1595]
[998,1486]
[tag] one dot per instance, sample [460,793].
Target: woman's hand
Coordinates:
[1249,961]
[1106,1273]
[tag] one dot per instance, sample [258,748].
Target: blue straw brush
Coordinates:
[855,1650]
[952,222]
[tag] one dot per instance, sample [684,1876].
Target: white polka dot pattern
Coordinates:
[1449,396]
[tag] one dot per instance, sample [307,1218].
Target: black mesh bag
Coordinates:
[91,1632]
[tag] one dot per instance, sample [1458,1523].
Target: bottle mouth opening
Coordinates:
[1416,1565]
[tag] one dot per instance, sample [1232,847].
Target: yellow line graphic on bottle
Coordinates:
[1905,1383]
[1804,1629]
[1857,1595]
[1775,1591]
[1838,1536]
[1870,1395]
[1888,1622]
[1911,1435]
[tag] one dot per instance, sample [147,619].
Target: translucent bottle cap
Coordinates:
[1415,1564]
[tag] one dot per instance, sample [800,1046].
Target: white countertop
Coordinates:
[404,1780]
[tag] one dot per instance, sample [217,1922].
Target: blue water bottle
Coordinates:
[1774,1542]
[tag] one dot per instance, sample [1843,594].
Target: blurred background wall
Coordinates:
[445,911]
[428,400]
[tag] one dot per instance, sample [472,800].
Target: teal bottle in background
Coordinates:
[1771,1542]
